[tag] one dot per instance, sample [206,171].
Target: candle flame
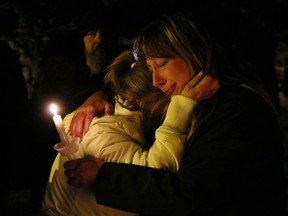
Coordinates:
[54,109]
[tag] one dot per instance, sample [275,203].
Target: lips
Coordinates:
[171,90]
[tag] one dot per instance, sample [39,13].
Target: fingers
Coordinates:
[208,86]
[215,85]
[76,125]
[81,121]
[85,113]
[201,87]
[70,165]
[71,173]
[72,177]
[208,82]
[82,172]
[87,121]
[196,79]
[96,105]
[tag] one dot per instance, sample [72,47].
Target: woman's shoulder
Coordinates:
[241,95]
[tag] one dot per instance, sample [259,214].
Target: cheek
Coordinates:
[183,76]
[182,71]
[181,80]
[181,83]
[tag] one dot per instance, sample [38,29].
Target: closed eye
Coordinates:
[162,64]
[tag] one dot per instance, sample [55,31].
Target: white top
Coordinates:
[118,138]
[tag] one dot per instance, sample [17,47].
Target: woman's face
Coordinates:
[170,74]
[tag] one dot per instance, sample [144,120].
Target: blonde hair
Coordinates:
[126,77]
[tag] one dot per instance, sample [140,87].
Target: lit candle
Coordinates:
[58,123]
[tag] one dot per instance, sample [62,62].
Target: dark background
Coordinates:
[28,25]
[24,20]
[259,29]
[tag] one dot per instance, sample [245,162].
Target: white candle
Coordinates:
[58,123]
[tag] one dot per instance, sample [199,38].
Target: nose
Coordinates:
[157,81]
[97,38]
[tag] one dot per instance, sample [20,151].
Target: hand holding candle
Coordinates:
[68,145]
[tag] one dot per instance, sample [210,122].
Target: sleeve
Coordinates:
[107,139]
[168,147]
[178,116]
[229,168]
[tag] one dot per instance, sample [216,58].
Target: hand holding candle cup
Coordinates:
[68,145]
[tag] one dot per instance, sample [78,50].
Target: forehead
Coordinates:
[94,32]
[157,59]
[151,60]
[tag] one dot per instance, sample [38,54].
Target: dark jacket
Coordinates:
[233,166]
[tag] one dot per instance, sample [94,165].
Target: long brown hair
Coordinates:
[181,35]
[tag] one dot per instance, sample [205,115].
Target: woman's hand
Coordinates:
[96,105]
[201,87]
[82,172]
